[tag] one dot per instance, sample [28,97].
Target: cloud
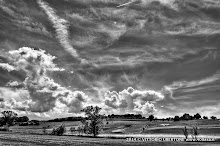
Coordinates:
[75,101]
[204,84]
[132,100]
[146,108]
[15,84]
[23,21]
[41,92]
[10,98]
[26,58]
[196,83]
[61,26]
[8,67]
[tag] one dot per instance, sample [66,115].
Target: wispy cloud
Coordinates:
[61,26]
[204,84]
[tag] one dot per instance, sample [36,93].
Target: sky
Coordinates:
[159,57]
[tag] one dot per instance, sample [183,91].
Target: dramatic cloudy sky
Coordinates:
[127,56]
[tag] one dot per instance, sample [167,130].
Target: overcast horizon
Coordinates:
[126,56]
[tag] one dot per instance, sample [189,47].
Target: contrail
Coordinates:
[60,26]
[124,4]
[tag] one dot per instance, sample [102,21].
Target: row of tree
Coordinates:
[185,116]
[112,116]
[9,118]
[66,119]
[125,116]
[192,117]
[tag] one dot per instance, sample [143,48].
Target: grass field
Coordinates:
[33,135]
[210,127]
[42,140]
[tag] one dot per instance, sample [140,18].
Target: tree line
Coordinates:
[185,116]
[10,118]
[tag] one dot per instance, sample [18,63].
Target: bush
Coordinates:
[4,128]
[60,130]
[128,125]
[23,124]
[44,130]
[72,129]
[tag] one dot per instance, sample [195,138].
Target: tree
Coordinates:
[151,117]
[95,119]
[185,132]
[205,117]
[197,116]
[195,132]
[22,119]
[186,116]
[176,118]
[8,118]
[213,117]
[59,131]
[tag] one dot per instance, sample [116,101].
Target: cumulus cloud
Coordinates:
[25,57]
[15,105]
[133,100]
[38,92]
[15,84]
[75,101]
[61,26]
[8,67]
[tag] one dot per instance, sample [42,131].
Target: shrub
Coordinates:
[60,130]
[80,130]
[128,125]
[4,128]
[72,129]
[44,130]
[23,124]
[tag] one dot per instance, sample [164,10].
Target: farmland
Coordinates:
[36,140]
[206,127]
[33,135]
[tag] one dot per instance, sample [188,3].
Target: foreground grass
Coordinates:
[32,135]
[15,139]
[206,127]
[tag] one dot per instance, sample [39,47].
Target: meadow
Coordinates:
[113,133]
[206,127]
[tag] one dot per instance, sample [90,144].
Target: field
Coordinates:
[206,127]
[113,133]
